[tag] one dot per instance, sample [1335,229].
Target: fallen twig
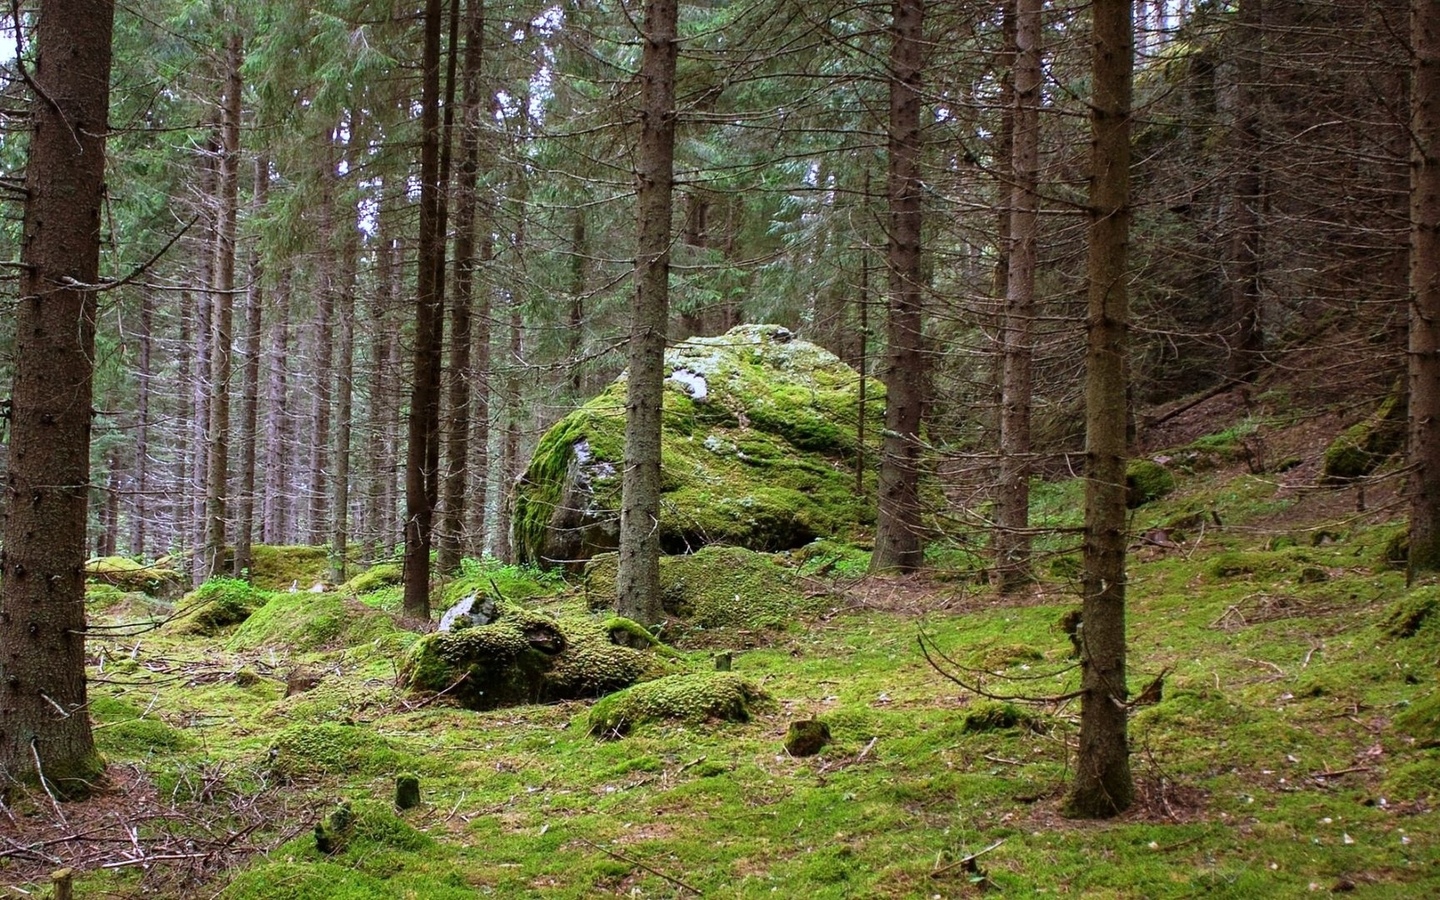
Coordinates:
[968,863]
[635,862]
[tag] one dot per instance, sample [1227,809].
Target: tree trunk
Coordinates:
[44,723]
[1244,269]
[1012,509]
[200,423]
[1103,786]
[898,544]
[1425,286]
[275,528]
[250,386]
[457,446]
[140,507]
[480,415]
[317,521]
[424,423]
[222,306]
[344,400]
[638,581]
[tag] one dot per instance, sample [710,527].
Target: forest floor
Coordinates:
[1295,749]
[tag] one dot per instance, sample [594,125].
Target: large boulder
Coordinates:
[760,443]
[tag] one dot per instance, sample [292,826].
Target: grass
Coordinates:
[1272,766]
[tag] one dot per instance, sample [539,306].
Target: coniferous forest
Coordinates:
[459,448]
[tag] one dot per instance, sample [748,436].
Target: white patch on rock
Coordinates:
[693,383]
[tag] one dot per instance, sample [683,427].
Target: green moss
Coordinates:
[514,583]
[124,731]
[1361,448]
[218,604]
[1146,480]
[1004,656]
[1408,615]
[305,621]
[1286,562]
[373,579]
[1421,720]
[764,461]
[993,715]
[131,576]
[308,751]
[690,698]
[279,568]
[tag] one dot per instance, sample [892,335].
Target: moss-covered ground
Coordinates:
[1294,750]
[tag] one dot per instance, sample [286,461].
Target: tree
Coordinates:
[898,544]
[1103,785]
[1425,286]
[638,580]
[44,726]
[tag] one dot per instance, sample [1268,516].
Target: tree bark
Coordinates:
[898,544]
[638,581]
[424,422]
[250,386]
[317,520]
[1425,286]
[1012,509]
[141,507]
[44,724]
[1247,338]
[344,397]
[1103,785]
[276,525]
[222,308]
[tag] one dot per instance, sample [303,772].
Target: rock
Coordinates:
[806,737]
[468,612]
[760,442]
[694,698]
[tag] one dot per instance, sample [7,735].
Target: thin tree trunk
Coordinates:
[177,498]
[1425,286]
[223,304]
[898,544]
[579,284]
[344,401]
[141,507]
[250,385]
[277,419]
[317,521]
[638,581]
[200,427]
[42,630]
[424,423]
[1012,511]
[480,415]
[382,406]
[1103,785]
[1244,269]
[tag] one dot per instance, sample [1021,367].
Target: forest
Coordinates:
[723,448]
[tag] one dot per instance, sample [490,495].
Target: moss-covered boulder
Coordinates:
[305,621]
[309,751]
[1361,448]
[693,698]
[1146,480]
[130,576]
[716,587]
[759,447]
[528,657]
[217,605]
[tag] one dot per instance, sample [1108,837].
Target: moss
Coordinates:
[218,604]
[1288,562]
[1421,720]
[806,737]
[1146,480]
[1360,449]
[716,587]
[307,751]
[1409,614]
[1004,656]
[993,715]
[692,698]
[763,461]
[125,731]
[130,576]
[305,621]
[513,583]
[279,568]
[373,579]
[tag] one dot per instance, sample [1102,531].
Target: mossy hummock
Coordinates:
[760,442]
[693,698]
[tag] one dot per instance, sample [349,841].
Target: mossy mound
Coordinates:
[1003,656]
[304,621]
[513,583]
[218,604]
[124,731]
[1360,449]
[693,698]
[329,748]
[130,576]
[279,568]
[994,715]
[373,579]
[1408,615]
[716,587]
[526,657]
[1145,481]
[1421,720]
[760,437]
[1287,562]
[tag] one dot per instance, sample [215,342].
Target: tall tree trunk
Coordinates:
[480,415]
[277,419]
[317,521]
[223,304]
[457,439]
[200,424]
[380,425]
[638,581]
[44,723]
[424,423]
[579,284]
[1425,286]
[177,498]
[1103,785]
[898,544]
[141,507]
[1012,510]
[1245,235]
[344,399]
[250,385]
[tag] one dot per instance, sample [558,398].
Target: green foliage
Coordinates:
[693,698]
[217,605]
[515,583]
[1415,610]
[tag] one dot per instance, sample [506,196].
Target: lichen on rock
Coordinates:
[760,434]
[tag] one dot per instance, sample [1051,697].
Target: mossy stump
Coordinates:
[334,831]
[806,737]
[407,791]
